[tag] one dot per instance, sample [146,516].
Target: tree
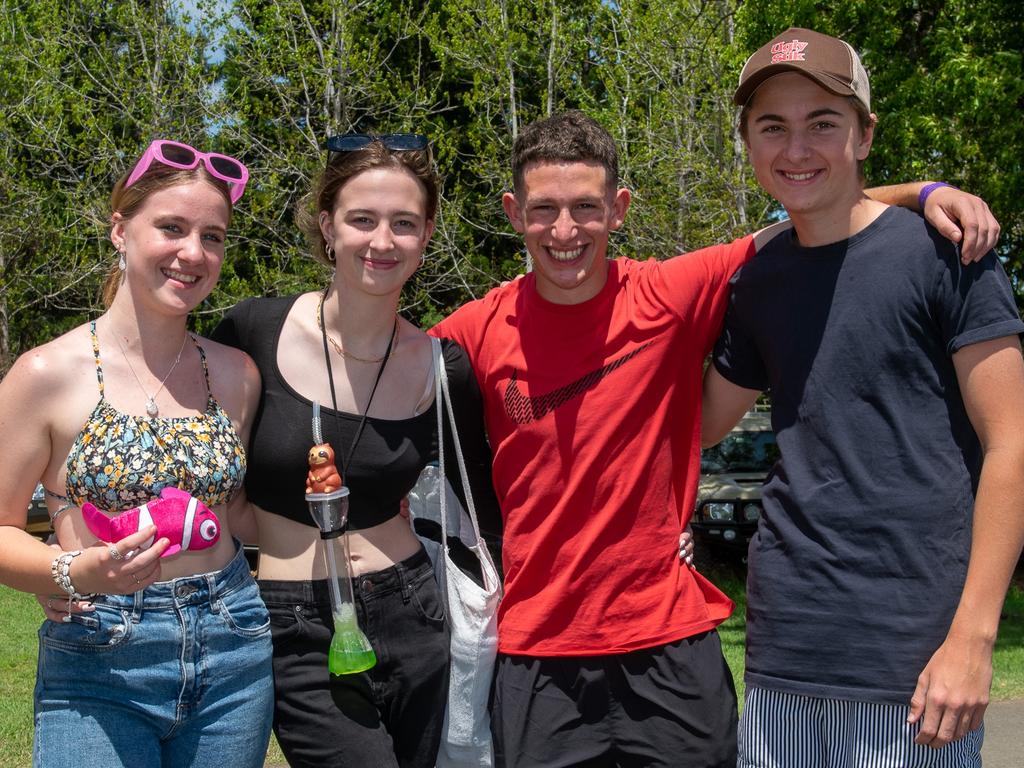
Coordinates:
[87,85]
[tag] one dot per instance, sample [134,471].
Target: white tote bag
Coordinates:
[472,608]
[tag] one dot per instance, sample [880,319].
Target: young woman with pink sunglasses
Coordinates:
[146,658]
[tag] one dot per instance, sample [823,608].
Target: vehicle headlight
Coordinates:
[751,512]
[719,511]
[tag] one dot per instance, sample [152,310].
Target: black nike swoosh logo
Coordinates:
[523,409]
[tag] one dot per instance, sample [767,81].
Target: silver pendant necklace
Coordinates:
[152,409]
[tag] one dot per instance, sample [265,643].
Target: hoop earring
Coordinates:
[329,251]
[423,259]
[121,263]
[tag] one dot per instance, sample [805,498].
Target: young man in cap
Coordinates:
[895,516]
[591,372]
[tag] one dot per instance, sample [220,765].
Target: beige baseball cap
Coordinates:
[827,60]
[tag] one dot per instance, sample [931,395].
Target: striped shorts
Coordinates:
[784,730]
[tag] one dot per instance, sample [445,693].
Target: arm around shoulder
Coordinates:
[959,216]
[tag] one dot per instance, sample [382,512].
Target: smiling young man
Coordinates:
[895,515]
[590,370]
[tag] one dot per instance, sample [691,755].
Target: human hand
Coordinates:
[503,283]
[120,568]
[952,691]
[57,608]
[963,218]
[686,548]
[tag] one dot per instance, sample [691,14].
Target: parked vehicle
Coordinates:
[38,517]
[732,472]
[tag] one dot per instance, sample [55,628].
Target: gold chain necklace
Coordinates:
[152,409]
[348,355]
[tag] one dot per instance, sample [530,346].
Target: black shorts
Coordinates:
[672,705]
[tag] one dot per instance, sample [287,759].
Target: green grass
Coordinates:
[1008,660]
[730,579]
[20,617]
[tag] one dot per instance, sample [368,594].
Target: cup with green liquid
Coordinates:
[350,651]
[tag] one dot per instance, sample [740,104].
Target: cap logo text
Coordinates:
[793,51]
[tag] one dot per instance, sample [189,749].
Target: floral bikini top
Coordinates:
[120,461]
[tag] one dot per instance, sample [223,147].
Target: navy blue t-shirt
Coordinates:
[860,557]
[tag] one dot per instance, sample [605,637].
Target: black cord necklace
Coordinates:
[334,399]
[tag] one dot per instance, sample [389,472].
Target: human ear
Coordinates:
[326,226]
[620,204]
[867,136]
[117,222]
[428,232]
[514,211]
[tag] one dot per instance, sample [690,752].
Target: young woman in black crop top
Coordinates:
[370,218]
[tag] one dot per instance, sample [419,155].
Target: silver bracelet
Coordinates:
[60,510]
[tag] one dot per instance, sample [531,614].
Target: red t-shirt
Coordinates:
[593,413]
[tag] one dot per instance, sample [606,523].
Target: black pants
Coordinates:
[673,705]
[390,715]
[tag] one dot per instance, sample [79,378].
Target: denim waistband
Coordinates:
[194,590]
[366,585]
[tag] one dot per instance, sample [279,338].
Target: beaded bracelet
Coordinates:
[60,569]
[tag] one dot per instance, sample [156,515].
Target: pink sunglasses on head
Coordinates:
[178,155]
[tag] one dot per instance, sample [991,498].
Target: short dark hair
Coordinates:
[344,166]
[565,137]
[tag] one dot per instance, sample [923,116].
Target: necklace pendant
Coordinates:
[151,408]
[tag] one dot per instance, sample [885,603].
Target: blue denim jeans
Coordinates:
[177,675]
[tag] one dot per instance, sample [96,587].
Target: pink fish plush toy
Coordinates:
[177,515]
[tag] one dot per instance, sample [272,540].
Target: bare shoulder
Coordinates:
[53,368]
[44,400]
[225,360]
[416,343]
[234,381]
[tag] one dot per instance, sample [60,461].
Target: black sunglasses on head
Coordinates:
[397,142]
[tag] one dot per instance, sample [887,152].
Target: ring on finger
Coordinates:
[115,553]
[49,606]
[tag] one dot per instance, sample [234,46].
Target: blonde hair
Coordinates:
[127,201]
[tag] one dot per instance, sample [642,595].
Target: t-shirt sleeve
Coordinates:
[736,356]
[973,303]
[695,286]
[467,405]
[458,326]
[230,330]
